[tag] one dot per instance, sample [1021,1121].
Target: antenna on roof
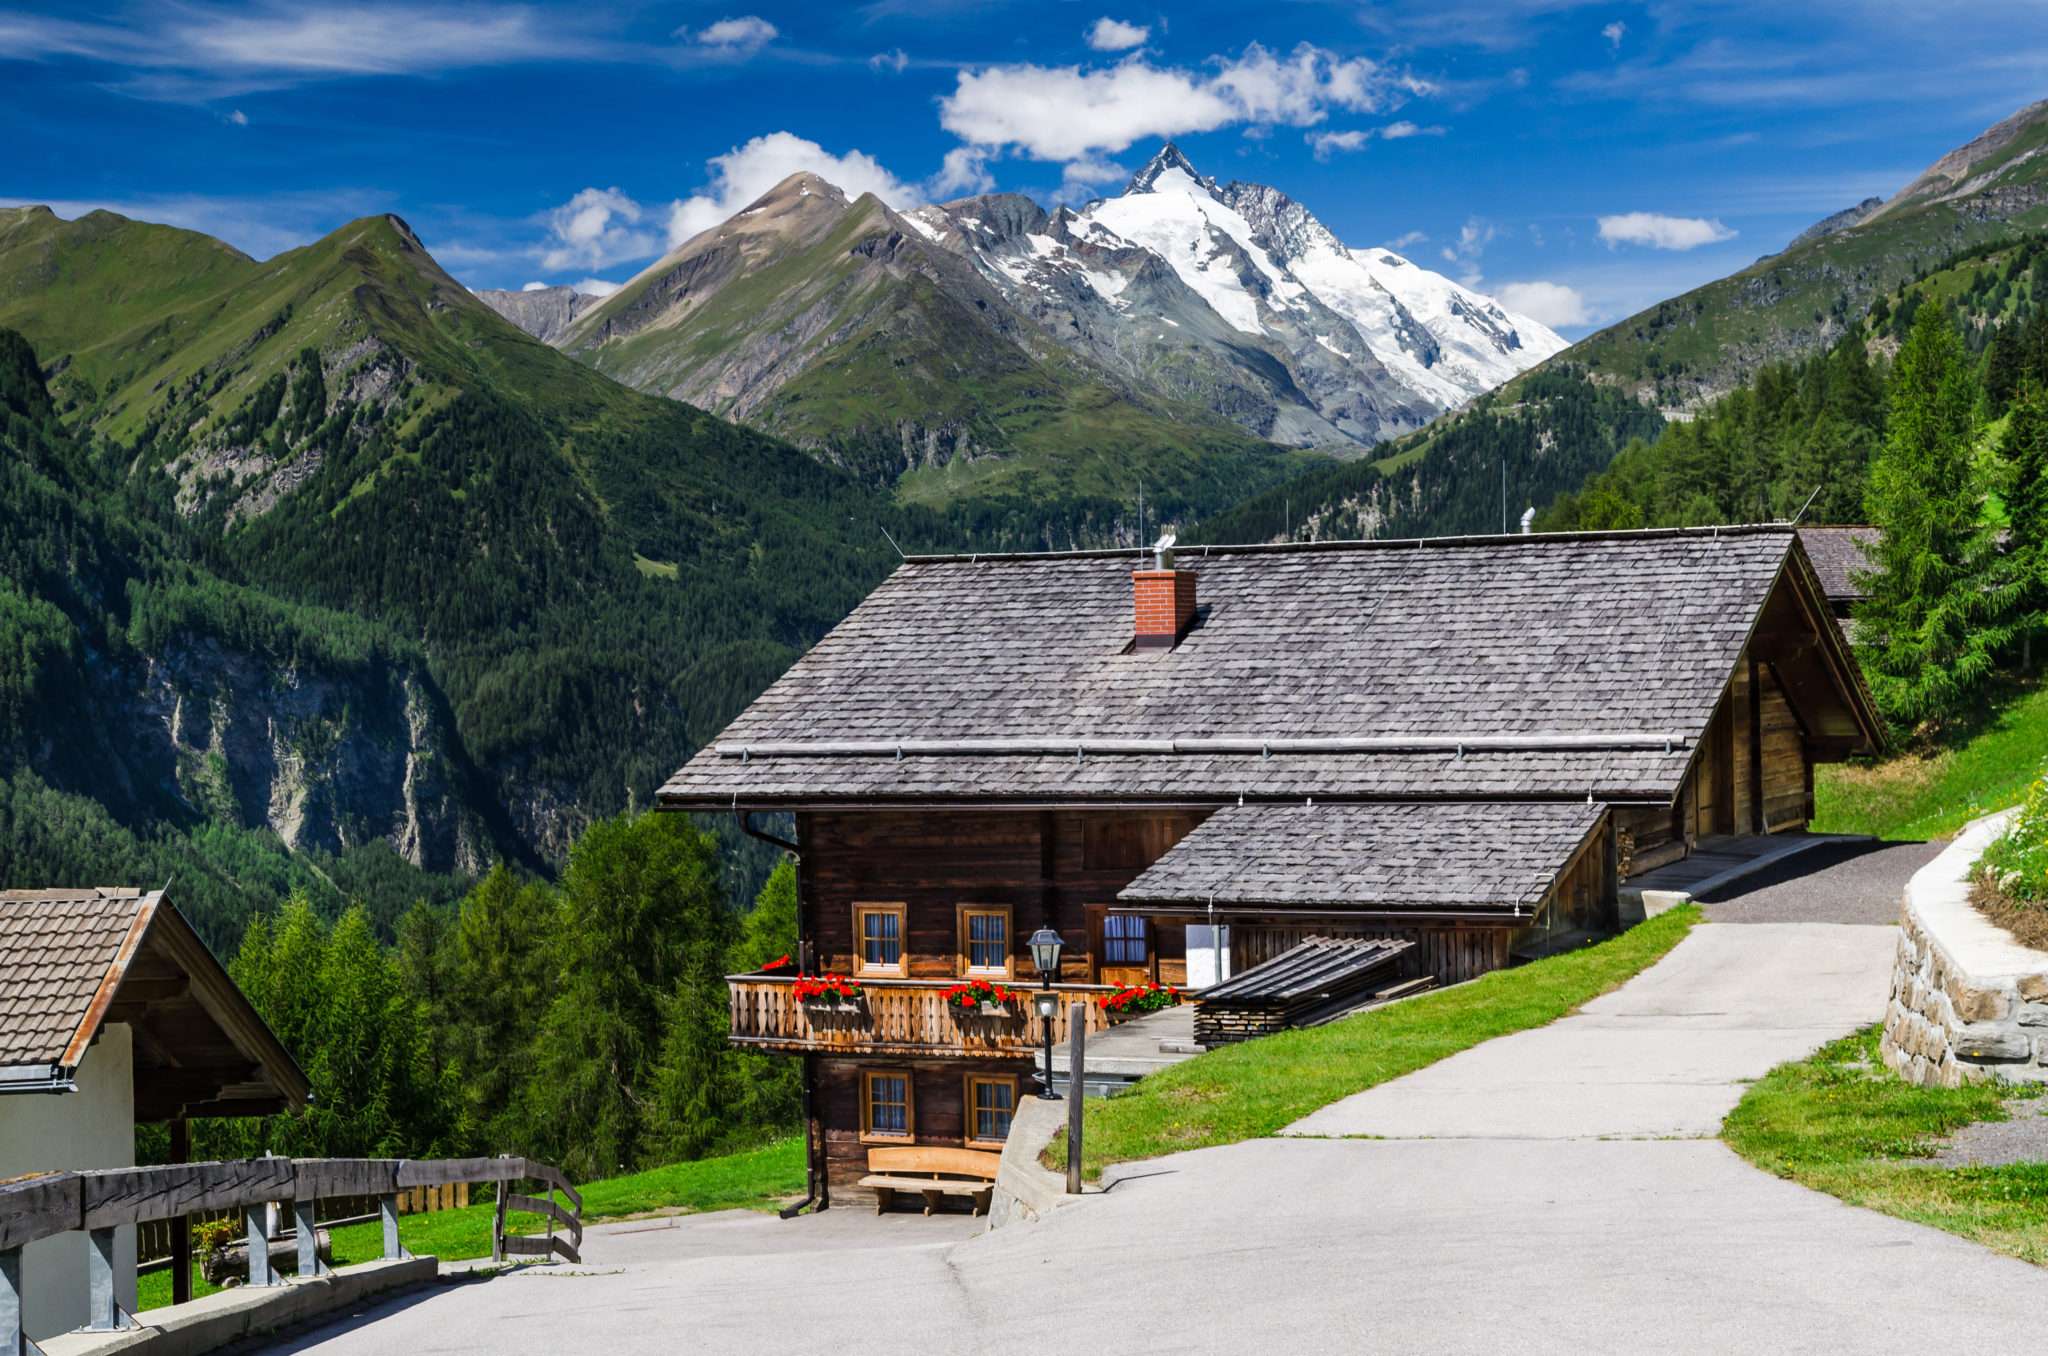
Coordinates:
[1141,511]
[1807,505]
[892,541]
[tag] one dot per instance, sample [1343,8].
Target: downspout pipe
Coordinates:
[813,1173]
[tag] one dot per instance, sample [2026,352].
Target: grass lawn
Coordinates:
[758,1179]
[1246,1091]
[1914,797]
[1842,1123]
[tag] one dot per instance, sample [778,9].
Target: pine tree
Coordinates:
[1935,618]
[2024,453]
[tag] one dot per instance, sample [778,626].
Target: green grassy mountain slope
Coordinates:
[842,327]
[596,579]
[1785,305]
[158,722]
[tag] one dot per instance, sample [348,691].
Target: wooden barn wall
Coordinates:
[1450,953]
[1060,867]
[1788,772]
[937,1108]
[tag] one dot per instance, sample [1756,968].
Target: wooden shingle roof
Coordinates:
[1416,857]
[1574,636]
[1838,556]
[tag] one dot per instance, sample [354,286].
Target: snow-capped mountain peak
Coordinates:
[1167,158]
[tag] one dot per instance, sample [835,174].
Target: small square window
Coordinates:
[878,939]
[991,1102]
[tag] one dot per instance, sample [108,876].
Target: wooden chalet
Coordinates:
[1186,765]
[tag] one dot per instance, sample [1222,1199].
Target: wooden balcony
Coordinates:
[896,1017]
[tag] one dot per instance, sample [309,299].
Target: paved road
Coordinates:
[1839,883]
[1549,1235]
[1668,1054]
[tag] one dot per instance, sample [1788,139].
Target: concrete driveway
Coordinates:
[1555,1191]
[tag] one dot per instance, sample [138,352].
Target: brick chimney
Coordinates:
[1165,600]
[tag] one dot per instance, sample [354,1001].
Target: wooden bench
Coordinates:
[932,1171]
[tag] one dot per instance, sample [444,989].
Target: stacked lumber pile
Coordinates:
[1322,978]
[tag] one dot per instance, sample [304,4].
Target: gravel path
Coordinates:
[2023,1139]
[1838,883]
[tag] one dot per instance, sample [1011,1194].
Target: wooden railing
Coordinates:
[898,1016]
[98,1203]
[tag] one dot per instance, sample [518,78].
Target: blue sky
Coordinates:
[1582,160]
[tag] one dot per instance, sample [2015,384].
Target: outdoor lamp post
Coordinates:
[1045,954]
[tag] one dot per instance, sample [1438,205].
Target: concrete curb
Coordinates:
[214,1321]
[1025,1188]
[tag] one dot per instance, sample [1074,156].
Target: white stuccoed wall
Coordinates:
[91,1128]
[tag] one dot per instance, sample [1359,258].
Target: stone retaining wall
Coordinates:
[1967,1001]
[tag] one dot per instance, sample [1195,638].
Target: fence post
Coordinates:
[498,1223]
[102,1311]
[1077,1091]
[13,1342]
[387,1206]
[304,1210]
[260,1270]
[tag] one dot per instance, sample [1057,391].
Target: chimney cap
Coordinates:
[1162,551]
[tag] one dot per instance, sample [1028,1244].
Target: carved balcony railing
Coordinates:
[897,1017]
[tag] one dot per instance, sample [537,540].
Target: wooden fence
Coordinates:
[156,1239]
[98,1203]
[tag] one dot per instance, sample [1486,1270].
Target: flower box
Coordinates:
[1136,1000]
[981,999]
[830,995]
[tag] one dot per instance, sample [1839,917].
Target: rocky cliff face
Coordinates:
[546,313]
[327,757]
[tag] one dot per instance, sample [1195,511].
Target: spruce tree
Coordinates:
[1936,616]
[2024,452]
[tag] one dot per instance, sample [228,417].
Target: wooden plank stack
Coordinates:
[1300,987]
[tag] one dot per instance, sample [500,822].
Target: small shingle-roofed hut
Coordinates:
[989,745]
[113,1012]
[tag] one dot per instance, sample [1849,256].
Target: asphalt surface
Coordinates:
[1555,1191]
[1837,883]
[1668,1053]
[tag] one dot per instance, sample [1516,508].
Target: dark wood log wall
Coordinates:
[938,1109]
[1063,867]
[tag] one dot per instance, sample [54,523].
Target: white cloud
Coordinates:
[1114,35]
[1549,303]
[535,287]
[1396,131]
[357,39]
[894,62]
[595,287]
[1661,232]
[239,118]
[1080,178]
[964,171]
[746,172]
[1614,33]
[1068,113]
[597,227]
[1405,239]
[1473,238]
[739,38]
[1326,144]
